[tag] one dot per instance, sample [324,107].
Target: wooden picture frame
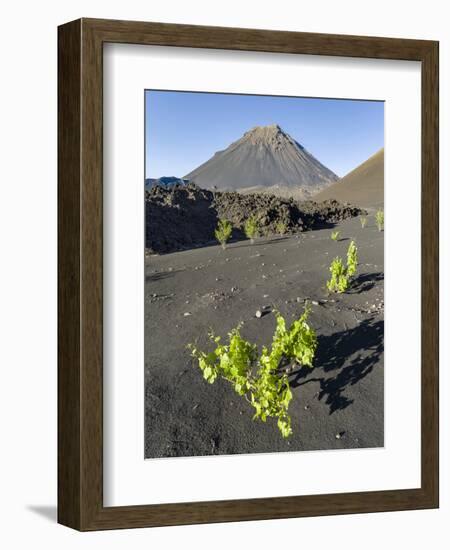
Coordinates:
[80,272]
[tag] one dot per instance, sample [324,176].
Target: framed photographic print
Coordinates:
[248,274]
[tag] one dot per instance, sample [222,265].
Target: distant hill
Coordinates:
[265,159]
[165,181]
[363,186]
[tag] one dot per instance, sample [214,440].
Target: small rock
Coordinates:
[265,295]
[314,302]
[195,406]
[186,314]
[234,288]
[258,314]
[338,436]
[306,407]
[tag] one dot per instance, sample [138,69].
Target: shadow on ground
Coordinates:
[160,275]
[364,344]
[364,282]
[267,241]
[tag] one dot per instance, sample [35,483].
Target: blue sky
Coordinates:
[184,129]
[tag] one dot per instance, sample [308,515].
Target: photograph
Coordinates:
[264,273]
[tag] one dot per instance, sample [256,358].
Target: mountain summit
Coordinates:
[264,159]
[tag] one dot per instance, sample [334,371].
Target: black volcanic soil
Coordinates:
[337,404]
[181,217]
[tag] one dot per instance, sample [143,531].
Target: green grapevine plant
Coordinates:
[260,379]
[223,232]
[251,228]
[352,259]
[335,235]
[281,228]
[379,217]
[340,274]
[339,280]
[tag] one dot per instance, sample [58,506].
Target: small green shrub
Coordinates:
[335,235]
[339,280]
[281,228]
[223,232]
[340,274]
[379,218]
[352,259]
[363,221]
[260,379]
[251,228]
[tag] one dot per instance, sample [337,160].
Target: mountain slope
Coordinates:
[363,186]
[264,159]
